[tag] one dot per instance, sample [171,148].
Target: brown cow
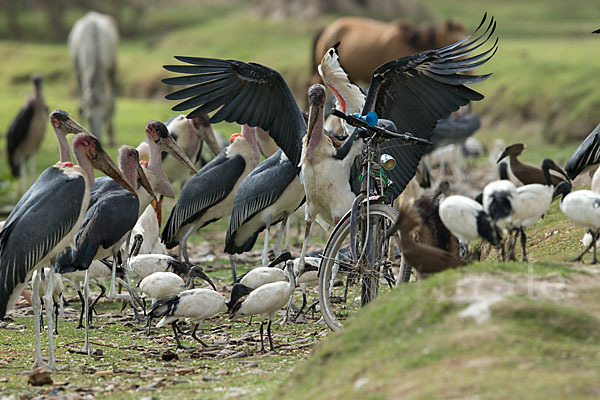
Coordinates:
[366,43]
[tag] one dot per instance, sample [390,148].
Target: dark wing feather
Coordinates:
[209,186]
[17,133]
[246,93]
[588,153]
[454,130]
[43,216]
[113,214]
[261,188]
[416,91]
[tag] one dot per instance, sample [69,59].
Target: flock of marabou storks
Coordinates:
[73,224]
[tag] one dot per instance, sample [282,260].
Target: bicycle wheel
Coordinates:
[346,285]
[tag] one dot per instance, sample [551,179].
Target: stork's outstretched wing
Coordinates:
[418,90]
[587,154]
[246,93]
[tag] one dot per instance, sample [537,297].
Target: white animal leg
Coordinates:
[307,237]
[86,294]
[36,303]
[233,267]
[49,300]
[265,253]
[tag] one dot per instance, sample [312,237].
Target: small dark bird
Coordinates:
[26,133]
[525,174]
[423,258]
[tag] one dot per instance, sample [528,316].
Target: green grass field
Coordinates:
[410,343]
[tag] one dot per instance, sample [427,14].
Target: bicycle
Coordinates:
[355,262]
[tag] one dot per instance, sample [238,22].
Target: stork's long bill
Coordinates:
[168,144]
[87,147]
[314,131]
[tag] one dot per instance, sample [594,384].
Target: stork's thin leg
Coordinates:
[113,293]
[262,343]
[41,313]
[233,267]
[183,242]
[280,234]
[82,309]
[286,317]
[61,303]
[86,295]
[524,244]
[265,253]
[287,232]
[49,310]
[196,337]
[269,335]
[307,237]
[36,304]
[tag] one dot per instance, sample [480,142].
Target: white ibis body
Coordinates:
[265,301]
[534,201]
[209,195]
[466,219]
[196,304]
[583,208]
[26,133]
[46,218]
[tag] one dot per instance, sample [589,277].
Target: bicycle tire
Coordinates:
[364,276]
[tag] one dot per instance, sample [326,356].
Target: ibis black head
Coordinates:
[197,271]
[285,256]
[563,188]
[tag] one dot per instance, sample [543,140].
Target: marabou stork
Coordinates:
[46,218]
[413,92]
[209,195]
[190,135]
[265,301]
[586,155]
[158,140]
[26,133]
[269,194]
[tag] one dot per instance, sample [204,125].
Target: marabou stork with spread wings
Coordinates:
[414,92]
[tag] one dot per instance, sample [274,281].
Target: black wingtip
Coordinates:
[596,31]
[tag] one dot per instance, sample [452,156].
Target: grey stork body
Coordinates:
[269,194]
[209,195]
[26,133]
[112,213]
[46,218]
[414,92]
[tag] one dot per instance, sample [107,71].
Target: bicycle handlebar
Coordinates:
[361,123]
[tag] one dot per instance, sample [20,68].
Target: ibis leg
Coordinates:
[269,335]
[196,337]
